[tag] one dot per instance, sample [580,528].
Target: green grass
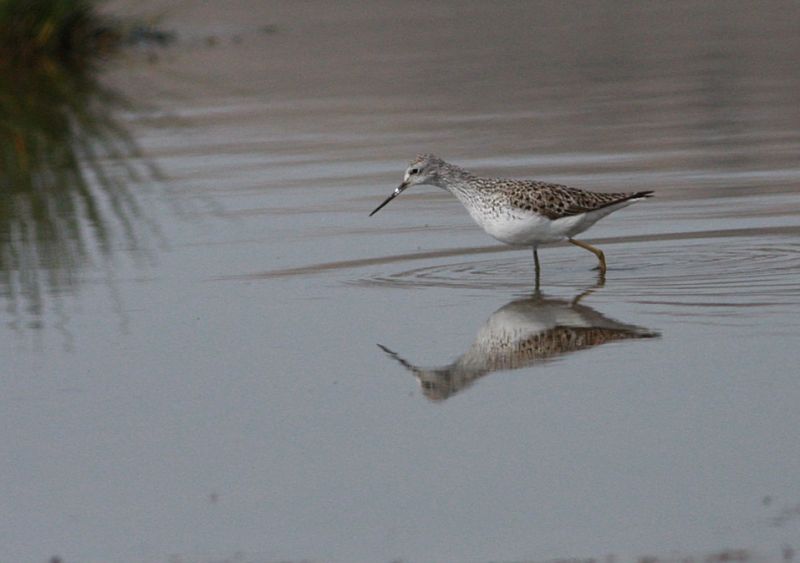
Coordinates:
[33,30]
[67,164]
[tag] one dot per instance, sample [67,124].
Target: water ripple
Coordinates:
[705,272]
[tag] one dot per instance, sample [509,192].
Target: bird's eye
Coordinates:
[413,171]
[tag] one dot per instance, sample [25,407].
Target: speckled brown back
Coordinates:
[553,200]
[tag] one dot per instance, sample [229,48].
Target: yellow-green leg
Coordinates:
[596,251]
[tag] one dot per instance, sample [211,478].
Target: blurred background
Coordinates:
[192,291]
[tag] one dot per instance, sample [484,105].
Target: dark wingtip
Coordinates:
[646,193]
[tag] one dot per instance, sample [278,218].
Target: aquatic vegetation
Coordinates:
[34,30]
[67,163]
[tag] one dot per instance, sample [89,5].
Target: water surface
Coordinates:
[264,373]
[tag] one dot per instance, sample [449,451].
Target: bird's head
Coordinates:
[425,169]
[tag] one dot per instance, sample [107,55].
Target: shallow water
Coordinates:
[265,373]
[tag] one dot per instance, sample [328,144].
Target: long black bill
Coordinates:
[393,195]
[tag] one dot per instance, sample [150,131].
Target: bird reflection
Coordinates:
[523,333]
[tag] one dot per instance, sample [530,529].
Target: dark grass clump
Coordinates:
[68,165]
[34,31]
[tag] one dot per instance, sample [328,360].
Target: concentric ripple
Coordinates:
[708,272]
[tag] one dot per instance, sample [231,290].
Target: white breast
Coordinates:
[529,229]
[526,229]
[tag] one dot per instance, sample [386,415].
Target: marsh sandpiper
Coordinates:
[519,212]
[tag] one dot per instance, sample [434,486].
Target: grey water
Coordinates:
[211,352]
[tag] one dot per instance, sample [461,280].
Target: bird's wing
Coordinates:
[555,201]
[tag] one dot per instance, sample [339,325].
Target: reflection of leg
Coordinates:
[601,277]
[601,281]
[596,251]
[536,266]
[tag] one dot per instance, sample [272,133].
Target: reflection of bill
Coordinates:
[520,334]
